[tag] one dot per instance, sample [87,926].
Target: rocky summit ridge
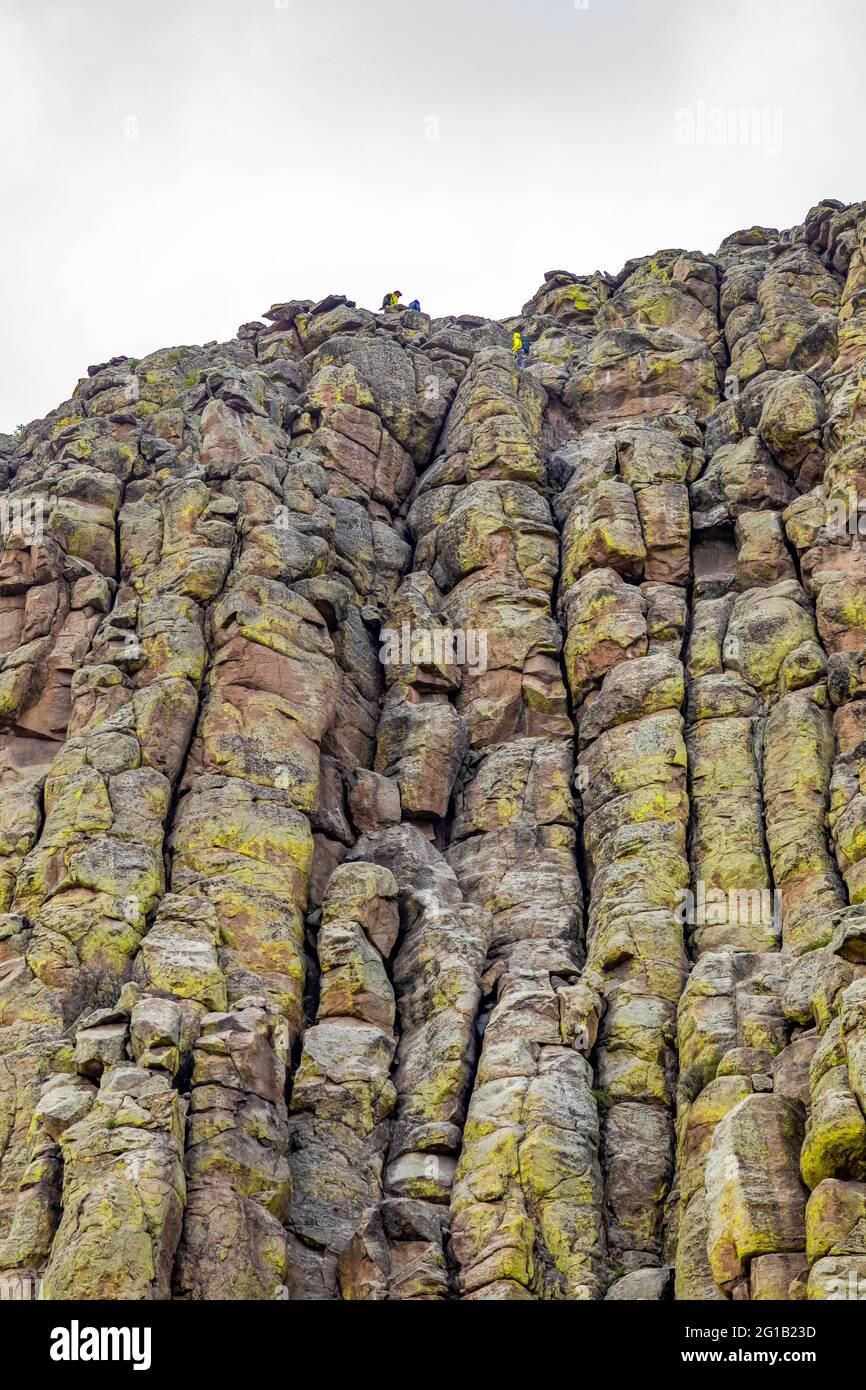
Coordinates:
[433,799]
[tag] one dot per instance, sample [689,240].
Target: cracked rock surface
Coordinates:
[433,799]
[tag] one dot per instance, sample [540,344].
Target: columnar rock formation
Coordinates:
[433,799]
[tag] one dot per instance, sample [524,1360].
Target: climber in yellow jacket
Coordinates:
[518,347]
[392,299]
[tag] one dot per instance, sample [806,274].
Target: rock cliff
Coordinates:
[433,799]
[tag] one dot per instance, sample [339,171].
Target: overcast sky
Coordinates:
[170,168]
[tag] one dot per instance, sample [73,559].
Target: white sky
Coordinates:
[283,151]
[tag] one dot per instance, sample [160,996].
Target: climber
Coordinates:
[416,306]
[518,348]
[392,299]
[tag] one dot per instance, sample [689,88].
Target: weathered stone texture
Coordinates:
[433,799]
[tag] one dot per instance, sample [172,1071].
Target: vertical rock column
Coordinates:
[635,398]
[371,412]
[177,540]
[398,1250]
[761,750]
[527,1200]
[733,1037]
[84,891]
[525,1206]
[52,599]
[778,302]
[342,1094]
[825,528]
[135,712]
[834,1152]
[241,843]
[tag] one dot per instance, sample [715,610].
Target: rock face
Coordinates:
[433,799]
